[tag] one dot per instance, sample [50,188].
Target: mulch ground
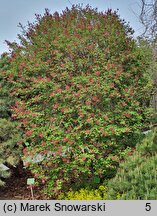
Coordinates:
[16,188]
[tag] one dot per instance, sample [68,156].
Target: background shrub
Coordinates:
[10,134]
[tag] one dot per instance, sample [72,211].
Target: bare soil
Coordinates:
[16,187]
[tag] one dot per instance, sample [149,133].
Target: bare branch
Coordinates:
[70,2]
[148,17]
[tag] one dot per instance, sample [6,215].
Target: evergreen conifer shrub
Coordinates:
[137,177]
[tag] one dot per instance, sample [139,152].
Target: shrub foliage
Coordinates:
[78,79]
[85,194]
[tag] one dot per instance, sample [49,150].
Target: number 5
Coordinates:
[148,207]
